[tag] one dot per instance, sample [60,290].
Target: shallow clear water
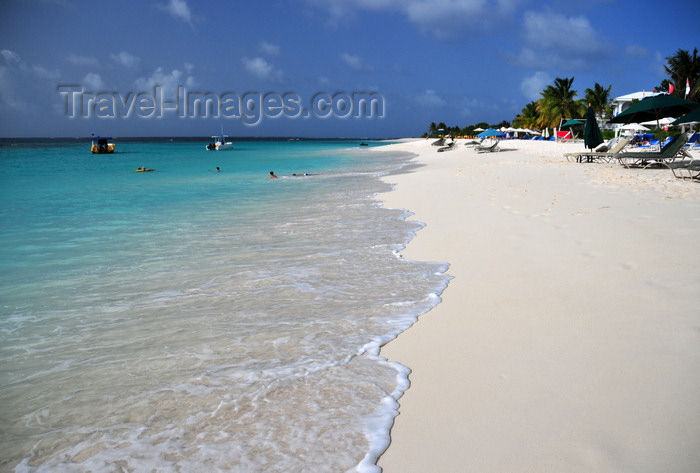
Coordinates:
[193,320]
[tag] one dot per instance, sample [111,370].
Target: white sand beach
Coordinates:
[569,338]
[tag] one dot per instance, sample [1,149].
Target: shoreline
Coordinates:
[566,340]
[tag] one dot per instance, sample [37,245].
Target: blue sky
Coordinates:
[456,61]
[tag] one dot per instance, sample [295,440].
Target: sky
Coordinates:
[316,68]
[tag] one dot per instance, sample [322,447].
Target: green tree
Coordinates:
[682,67]
[599,98]
[663,86]
[557,102]
[528,118]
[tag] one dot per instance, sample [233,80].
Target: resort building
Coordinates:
[623,102]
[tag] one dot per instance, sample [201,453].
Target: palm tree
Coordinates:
[598,97]
[528,117]
[681,67]
[558,102]
[432,128]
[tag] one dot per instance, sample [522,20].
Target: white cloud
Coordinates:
[23,86]
[637,51]
[553,41]
[48,74]
[430,99]
[167,81]
[11,57]
[269,49]
[261,69]
[8,95]
[178,9]
[78,60]
[430,13]
[355,62]
[442,18]
[92,82]
[533,85]
[126,59]
[556,32]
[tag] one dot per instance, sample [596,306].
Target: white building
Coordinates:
[622,103]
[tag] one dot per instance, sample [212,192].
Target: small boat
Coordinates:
[219,143]
[101,145]
[144,170]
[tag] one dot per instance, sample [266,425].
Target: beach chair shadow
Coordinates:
[673,151]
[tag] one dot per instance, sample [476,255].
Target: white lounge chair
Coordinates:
[487,149]
[598,156]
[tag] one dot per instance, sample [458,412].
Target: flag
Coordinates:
[671,88]
[687,87]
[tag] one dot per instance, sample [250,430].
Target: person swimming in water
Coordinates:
[272,175]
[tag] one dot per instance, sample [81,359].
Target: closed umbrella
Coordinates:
[592,136]
[655,108]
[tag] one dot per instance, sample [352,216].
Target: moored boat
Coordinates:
[219,143]
[101,144]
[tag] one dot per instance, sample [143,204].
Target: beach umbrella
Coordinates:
[655,108]
[634,127]
[592,136]
[692,117]
[572,123]
[490,133]
[479,129]
[662,122]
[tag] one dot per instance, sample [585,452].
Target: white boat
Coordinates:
[219,143]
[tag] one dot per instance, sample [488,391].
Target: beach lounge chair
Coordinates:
[487,149]
[693,141]
[598,156]
[686,169]
[673,151]
[439,142]
[449,147]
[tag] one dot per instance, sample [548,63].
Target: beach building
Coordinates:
[623,102]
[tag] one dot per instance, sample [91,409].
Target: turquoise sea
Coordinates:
[189,320]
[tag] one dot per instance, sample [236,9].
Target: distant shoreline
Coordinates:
[136,139]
